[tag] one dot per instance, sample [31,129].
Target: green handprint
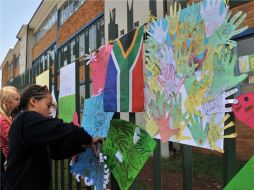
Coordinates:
[193,17]
[182,57]
[178,117]
[194,123]
[188,72]
[214,133]
[159,106]
[227,30]
[224,78]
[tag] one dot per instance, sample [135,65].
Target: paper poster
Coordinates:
[67,97]
[251,79]
[244,65]
[67,80]
[251,62]
[244,178]
[124,80]
[43,79]
[89,167]
[189,72]
[95,121]
[127,148]
[244,110]
[67,106]
[99,69]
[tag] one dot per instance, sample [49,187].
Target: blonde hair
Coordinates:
[5,95]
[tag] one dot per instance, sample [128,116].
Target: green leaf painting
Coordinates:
[125,156]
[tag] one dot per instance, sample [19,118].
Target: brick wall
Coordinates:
[247,8]
[88,11]
[5,75]
[44,42]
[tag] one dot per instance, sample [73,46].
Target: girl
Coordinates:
[9,101]
[35,138]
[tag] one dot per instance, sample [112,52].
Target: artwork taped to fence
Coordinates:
[127,148]
[244,110]
[99,69]
[67,97]
[95,121]
[43,79]
[124,83]
[189,72]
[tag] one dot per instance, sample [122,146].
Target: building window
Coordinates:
[235,3]
[82,45]
[46,25]
[92,38]
[69,7]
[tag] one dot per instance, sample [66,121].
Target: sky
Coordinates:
[13,14]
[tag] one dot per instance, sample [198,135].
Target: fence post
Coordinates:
[229,157]
[187,166]
[157,166]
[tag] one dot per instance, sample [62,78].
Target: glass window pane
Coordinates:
[92,38]
[82,45]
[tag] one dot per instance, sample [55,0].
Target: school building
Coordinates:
[63,31]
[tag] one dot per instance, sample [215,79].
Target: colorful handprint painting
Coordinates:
[189,73]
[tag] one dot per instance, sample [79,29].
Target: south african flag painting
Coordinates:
[124,85]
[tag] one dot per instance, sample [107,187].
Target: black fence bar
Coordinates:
[187,166]
[157,165]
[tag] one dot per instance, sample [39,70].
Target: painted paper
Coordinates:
[189,74]
[244,65]
[244,178]
[67,106]
[95,121]
[124,80]
[99,69]
[67,97]
[244,110]
[125,156]
[43,79]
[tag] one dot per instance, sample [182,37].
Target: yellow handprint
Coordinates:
[173,19]
[214,132]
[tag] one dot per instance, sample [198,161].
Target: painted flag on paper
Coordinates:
[124,85]
[67,98]
[99,69]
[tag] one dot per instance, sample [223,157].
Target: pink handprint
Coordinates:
[170,81]
[165,130]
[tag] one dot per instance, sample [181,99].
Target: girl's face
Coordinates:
[14,101]
[42,106]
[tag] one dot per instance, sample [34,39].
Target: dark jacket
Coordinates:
[33,140]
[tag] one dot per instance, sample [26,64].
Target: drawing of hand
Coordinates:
[173,18]
[195,126]
[182,57]
[227,30]
[158,32]
[213,13]
[195,97]
[165,130]
[198,38]
[170,81]
[224,77]
[182,35]
[193,17]
[188,72]
[217,104]
[152,66]
[214,132]
[165,55]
